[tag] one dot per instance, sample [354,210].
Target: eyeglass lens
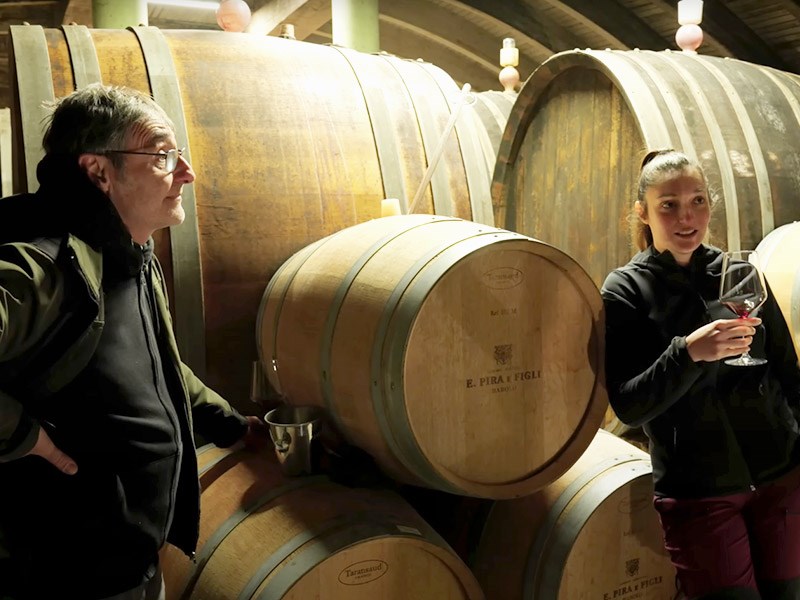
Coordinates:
[172,159]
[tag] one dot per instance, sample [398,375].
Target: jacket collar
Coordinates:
[69,204]
[705,259]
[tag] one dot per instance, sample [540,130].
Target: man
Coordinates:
[97,459]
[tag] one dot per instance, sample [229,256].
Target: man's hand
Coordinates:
[45,448]
[257,435]
[721,339]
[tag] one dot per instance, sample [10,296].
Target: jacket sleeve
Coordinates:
[780,350]
[644,378]
[214,418]
[31,291]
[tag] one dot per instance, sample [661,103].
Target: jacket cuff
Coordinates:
[682,357]
[234,430]
[222,426]
[21,441]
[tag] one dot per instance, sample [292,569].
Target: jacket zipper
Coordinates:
[152,346]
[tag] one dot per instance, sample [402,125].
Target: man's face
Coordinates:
[146,196]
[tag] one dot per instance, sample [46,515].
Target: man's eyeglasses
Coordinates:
[167,161]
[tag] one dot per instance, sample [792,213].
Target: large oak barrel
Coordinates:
[568,165]
[267,537]
[291,141]
[592,534]
[493,108]
[779,254]
[462,357]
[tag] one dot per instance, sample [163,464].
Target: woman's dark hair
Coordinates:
[657,166]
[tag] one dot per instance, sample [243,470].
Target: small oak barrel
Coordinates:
[462,357]
[779,254]
[291,142]
[263,536]
[569,161]
[592,534]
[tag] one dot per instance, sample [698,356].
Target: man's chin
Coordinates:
[178,215]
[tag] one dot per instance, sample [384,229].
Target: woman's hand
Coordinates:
[721,339]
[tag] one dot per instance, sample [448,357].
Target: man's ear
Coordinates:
[96,168]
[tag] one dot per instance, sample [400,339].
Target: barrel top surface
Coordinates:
[501,363]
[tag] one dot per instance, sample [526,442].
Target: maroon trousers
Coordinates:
[735,541]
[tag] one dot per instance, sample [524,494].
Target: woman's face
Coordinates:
[677,212]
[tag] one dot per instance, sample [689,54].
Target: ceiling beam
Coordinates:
[408,41]
[521,17]
[527,45]
[615,20]
[431,46]
[79,11]
[736,36]
[467,30]
[669,11]
[46,13]
[26,3]
[791,6]
[306,15]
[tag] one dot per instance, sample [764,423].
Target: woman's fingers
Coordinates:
[721,339]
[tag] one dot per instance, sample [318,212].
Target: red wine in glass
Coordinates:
[742,289]
[742,306]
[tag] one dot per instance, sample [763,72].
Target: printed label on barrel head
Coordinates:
[503,278]
[636,589]
[504,311]
[365,571]
[628,506]
[505,378]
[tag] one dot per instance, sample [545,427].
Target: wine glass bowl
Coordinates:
[742,290]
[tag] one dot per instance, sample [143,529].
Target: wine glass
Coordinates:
[742,289]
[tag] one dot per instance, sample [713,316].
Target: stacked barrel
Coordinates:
[291,141]
[387,345]
[567,171]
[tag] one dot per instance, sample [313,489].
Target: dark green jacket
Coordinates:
[51,319]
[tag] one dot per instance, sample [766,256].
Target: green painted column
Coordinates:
[118,14]
[355,24]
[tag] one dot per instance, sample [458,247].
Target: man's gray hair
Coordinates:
[97,118]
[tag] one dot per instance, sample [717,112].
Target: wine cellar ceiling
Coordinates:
[464,36]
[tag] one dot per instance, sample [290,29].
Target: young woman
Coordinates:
[723,439]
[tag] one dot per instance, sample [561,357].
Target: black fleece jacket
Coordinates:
[714,429]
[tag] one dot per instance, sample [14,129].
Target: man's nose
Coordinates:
[184,171]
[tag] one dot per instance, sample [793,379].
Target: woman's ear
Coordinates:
[96,168]
[640,211]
